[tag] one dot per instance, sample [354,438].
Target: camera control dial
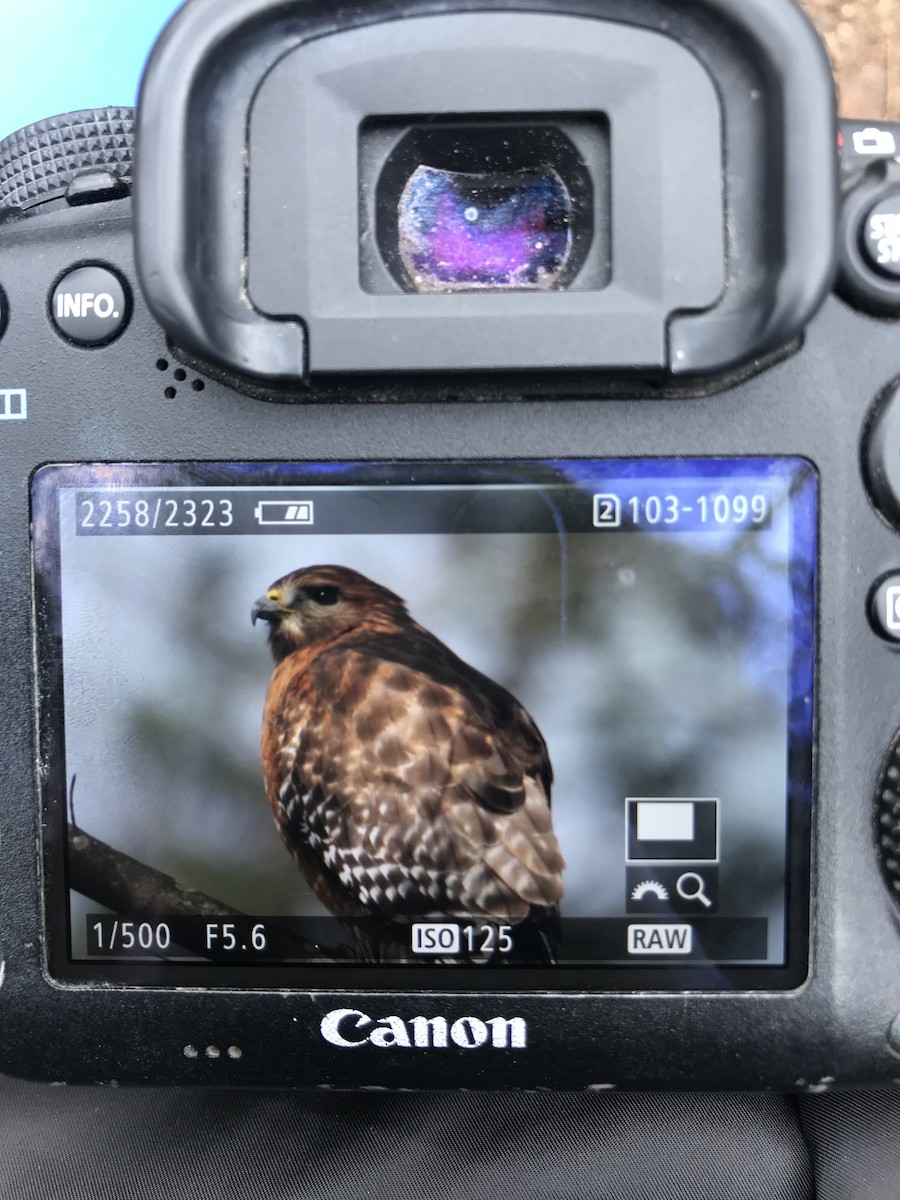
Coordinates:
[80,157]
[869,236]
[881,455]
[887,800]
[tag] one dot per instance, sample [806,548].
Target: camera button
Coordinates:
[884,608]
[881,235]
[90,305]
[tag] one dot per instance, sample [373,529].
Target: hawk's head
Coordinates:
[317,604]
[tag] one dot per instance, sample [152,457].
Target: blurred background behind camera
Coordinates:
[63,55]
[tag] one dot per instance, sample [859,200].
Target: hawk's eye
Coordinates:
[324,595]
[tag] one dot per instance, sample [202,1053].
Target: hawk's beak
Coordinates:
[265,609]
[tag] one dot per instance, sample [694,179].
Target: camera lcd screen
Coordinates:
[453,726]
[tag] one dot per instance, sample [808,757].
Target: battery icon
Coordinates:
[284,512]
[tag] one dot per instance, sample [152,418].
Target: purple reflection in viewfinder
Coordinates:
[468,232]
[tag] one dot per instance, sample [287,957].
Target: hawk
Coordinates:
[405,783]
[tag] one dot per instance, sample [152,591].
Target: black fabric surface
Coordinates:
[855,1141]
[87,1144]
[165,1144]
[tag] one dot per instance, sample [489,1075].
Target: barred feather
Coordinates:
[404,781]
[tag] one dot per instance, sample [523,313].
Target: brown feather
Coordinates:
[404,781]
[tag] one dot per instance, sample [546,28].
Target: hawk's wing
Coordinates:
[418,782]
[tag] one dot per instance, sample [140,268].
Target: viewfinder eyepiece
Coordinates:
[483,204]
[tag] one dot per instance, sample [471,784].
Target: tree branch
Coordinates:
[132,889]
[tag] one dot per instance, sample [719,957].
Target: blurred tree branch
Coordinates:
[132,889]
[863,38]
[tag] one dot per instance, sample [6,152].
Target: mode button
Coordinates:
[881,235]
[90,306]
[884,608]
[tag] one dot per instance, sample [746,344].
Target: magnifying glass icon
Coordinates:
[693,887]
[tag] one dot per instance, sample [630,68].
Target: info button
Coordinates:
[90,306]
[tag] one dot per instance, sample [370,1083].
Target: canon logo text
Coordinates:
[349,1028]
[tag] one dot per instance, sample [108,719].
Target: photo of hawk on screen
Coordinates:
[406,784]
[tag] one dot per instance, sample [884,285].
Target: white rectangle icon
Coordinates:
[13,404]
[607,512]
[660,939]
[435,937]
[892,609]
[874,141]
[666,822]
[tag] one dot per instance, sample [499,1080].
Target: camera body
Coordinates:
[649,456]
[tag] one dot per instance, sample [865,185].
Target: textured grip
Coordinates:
[888,807]
[40,161]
